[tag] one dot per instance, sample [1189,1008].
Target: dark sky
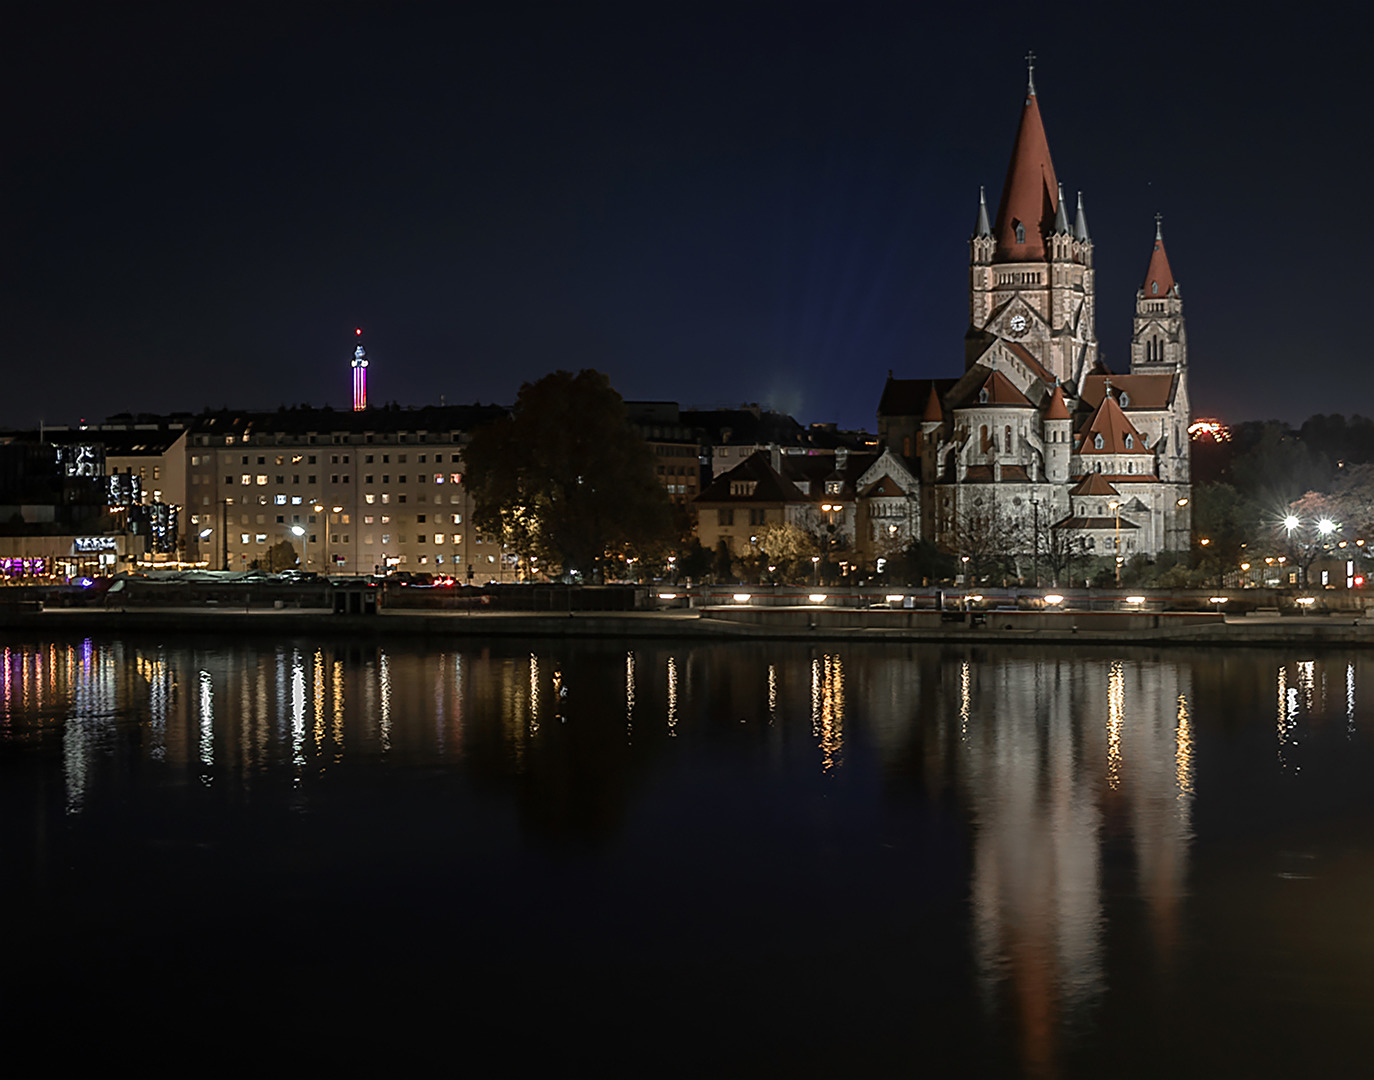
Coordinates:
[714,204]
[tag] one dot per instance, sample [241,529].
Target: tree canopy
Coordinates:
[564,478]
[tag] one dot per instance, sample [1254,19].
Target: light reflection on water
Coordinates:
[1078,778]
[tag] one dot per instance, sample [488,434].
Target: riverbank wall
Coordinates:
[715,623]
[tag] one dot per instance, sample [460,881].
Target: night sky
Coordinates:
[713,204]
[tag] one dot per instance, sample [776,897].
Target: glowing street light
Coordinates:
[305,544]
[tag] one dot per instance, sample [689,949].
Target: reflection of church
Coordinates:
[1055,757]
[1037,432]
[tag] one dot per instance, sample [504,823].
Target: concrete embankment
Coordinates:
[828,624]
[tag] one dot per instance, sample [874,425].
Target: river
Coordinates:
[743,859]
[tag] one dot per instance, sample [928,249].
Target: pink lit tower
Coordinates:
[359,375]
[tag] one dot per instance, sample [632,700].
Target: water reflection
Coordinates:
[1076,782]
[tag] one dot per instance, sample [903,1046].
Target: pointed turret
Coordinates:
[1061,219]
[1057,410]
[933,414]
[982,228]
[1159,279]
[1080,224]
[1030,200]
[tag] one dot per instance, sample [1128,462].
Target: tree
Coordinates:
[990,540]
[564,477]
[1056,548]
[1223,521]
[280,556]
[788,547]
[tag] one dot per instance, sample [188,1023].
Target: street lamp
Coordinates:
[305,543]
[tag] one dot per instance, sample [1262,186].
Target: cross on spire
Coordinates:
[1159,226]
[1030,73]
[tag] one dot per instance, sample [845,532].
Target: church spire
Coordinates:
[1061,219]
[1159,279]
[983,228]
[1080,225]
[1030,195]
[1030,74]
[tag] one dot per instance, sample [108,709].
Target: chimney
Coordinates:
[841,457]
[775,457]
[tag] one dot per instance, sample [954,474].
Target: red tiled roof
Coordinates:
[1094,484]
[1159,279]
[909,397]
[1002,391]
[1014,472]
[978,474]
[1057,410]
[933,413]
[1030,194]
[1027,357]
[1111,423]
[1093,523]
[885,487]
[1142,391]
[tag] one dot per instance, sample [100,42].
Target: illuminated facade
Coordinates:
[374,490]
[1037,439]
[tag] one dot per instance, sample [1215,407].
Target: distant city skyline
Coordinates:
[748,203]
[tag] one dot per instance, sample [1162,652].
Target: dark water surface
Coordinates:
[761,859]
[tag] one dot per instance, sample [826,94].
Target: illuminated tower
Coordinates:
[359,376]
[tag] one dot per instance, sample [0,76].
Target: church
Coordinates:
[1037,445]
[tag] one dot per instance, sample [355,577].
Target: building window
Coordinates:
[1020,233]
[1130,442]
[1097,442]
[727,517]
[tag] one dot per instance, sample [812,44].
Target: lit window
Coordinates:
[280,500]
[262,479]
[457,519]
[386,519]
[455,478]
[243,538]
[385,497]
[247,479]
[295,500]
[369,498]
[367,519]
[438,478]
[262,538]
[386,538]
[438,538]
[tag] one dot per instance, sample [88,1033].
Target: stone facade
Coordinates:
[1037,444]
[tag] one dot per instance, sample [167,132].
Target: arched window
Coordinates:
[1097,442]
[983,437]
[1021,239]
[1130,442]
[1154,288]
[1125,399]
[983,396]
[1006,439]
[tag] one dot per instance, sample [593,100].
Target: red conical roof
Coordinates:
[933,413]
[1159,279]
[1030,195]
[1057,409]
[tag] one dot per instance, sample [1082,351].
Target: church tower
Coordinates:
[1159,342]
[1031,278]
